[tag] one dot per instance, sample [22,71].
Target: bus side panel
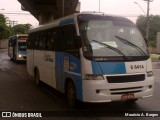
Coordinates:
[49,61]
[73,71]
[40,64]
[59,71]
[44,61]
[30,61]
[68,66]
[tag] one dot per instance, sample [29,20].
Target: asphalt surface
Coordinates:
[18,92]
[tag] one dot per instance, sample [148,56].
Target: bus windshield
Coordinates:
[104,37]
[22,46]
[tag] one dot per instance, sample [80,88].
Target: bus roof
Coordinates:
[58,22]
[71,18]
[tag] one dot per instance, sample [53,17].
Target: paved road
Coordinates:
[19,93]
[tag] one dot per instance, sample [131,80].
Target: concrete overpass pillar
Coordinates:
[44,18]
[49,10]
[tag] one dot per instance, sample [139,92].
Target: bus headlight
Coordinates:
[19,55]
[93,77]
[149,74]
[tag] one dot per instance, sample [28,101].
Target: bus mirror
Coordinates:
[78,41]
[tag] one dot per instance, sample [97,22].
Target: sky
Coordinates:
[126,8]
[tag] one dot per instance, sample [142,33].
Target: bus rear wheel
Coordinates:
[71,94]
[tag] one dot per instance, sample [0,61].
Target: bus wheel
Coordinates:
[37,77]
[71,94]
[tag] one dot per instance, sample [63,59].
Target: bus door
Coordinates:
[68,61]
[72,64]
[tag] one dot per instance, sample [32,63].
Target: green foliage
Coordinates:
[4,29]
[152,43]
[2,18]
[154,27]
[141,24]
[21,28]
[155,57]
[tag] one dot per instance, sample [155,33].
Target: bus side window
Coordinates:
[70,43]
[30,41]
[47,39]
[52,39]
[11,42]
[37,40]
[60,39]
[14,41]
[41,42]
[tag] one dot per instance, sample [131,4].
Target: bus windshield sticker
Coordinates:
[66,64]
[111,43]
[96,46]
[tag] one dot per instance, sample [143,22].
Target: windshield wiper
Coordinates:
[112,48]
[131,44]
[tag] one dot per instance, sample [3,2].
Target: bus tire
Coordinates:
[37,77]
[71,94]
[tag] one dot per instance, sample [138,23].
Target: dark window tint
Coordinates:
[70,38]
[60,40]
[22,46]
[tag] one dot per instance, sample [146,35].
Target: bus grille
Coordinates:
[121,91]
[126,78]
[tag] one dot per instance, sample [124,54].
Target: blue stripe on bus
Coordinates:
[66,21]
[108,68]
[74,72]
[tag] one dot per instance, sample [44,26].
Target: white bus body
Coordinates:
[112,69]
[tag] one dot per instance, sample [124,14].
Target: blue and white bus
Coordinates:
[17,47]
[91,57]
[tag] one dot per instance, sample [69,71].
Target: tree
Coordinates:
[4,29]
[21,28]
[154,27]
[2,18]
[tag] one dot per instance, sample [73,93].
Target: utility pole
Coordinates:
[14,23]
[99,5]
[147,18]
[11,23]
[141,8]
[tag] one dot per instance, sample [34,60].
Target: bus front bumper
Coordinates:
[101,91]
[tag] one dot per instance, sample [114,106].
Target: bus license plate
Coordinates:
[127,96]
